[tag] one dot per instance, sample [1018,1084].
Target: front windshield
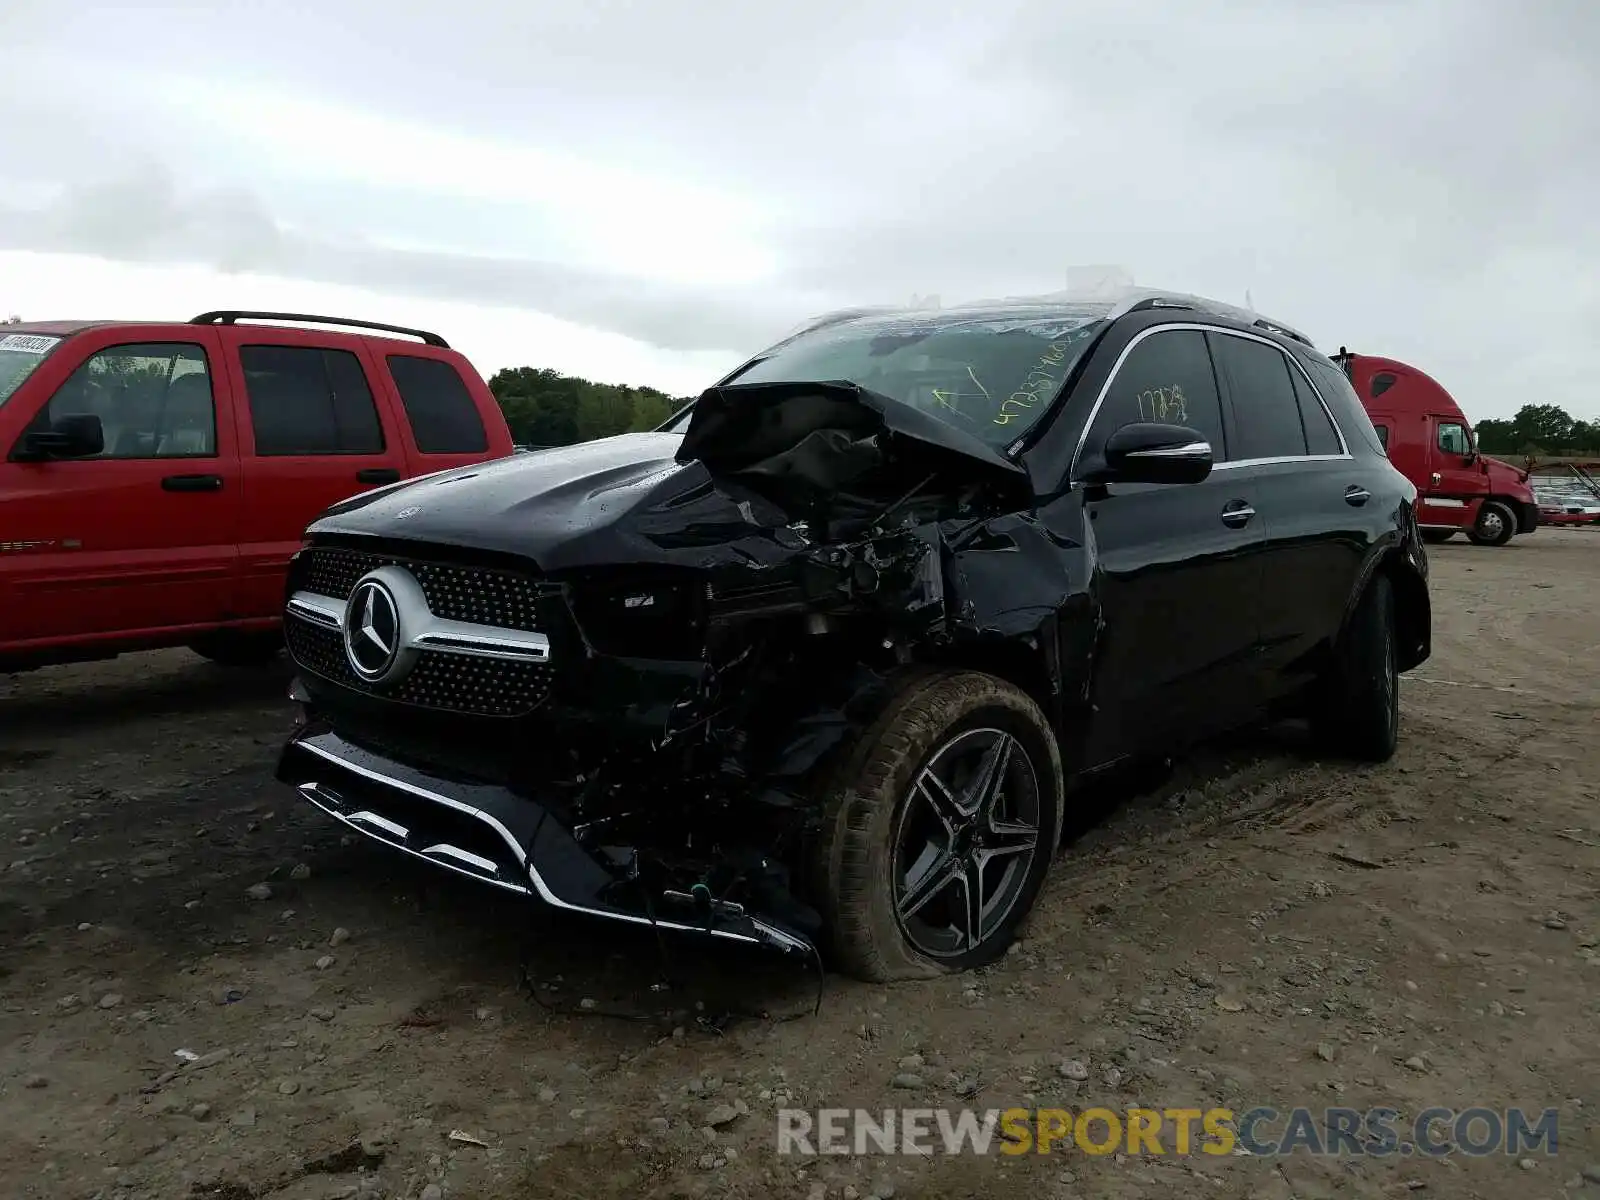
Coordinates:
[992,374]
[20,354]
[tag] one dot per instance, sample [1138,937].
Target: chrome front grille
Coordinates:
[476,595]
[460,683]
[471,638]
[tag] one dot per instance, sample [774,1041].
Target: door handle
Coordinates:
[378,475]
[1436,479]
[1357,495]
[1237,514]
[192,483]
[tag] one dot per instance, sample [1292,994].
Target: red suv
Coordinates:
[157,476]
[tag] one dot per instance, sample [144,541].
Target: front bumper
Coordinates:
[491,834]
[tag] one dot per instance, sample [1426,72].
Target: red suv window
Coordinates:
[307,400]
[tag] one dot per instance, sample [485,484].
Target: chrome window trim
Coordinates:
[1197,327]
[1283,458]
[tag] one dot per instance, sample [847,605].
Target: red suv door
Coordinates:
[313,431]
[141,536]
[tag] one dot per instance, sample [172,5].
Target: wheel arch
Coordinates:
[1025,665]
[1413,608]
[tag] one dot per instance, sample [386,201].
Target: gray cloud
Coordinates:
[1406,176]
[145,218]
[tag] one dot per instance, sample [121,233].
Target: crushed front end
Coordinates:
[609,678]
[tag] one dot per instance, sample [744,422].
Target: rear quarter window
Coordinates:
[1342,401]
[1322,438]
[444,418]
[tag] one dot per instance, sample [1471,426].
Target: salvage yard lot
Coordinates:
[1260,929]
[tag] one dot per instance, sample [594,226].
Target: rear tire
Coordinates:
[1495,525]
[1436,536]
[1358,711]
[229,649]
[902,812]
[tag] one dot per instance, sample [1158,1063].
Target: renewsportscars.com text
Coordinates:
[1260,1131]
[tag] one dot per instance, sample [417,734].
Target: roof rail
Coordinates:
[232,316]
[1149,302]
[1142,299]
[1293,335]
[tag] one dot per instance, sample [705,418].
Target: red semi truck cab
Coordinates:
[156,477]
[1429,440]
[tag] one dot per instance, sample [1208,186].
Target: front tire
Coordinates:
[938,828]
[1495,525]
[1358,713]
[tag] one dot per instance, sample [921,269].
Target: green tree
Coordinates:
[1539,429]
[546,408]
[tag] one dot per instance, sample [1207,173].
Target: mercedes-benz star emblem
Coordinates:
[372,630]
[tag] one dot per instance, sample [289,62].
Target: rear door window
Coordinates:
[309,400]
[1167,379]
[1267,415]
[444,418]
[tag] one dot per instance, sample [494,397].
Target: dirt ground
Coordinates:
[1260,929]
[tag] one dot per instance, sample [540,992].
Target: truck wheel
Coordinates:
[1358,709]
[239,649]
[938,828]
[1496,523]
[1435,536]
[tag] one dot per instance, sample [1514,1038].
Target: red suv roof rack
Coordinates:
[231,316]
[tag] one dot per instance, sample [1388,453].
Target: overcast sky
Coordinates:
[644,192]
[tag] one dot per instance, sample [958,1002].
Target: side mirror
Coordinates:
[77,435]
[1148,453]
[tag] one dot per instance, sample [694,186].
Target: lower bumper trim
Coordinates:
[487,833]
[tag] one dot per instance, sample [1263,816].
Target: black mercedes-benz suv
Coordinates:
[821,662]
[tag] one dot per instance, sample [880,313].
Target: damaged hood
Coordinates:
[752,463]
[825,434]
[618,500]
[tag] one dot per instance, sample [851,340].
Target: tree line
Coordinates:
[1539,429]
[546,408]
